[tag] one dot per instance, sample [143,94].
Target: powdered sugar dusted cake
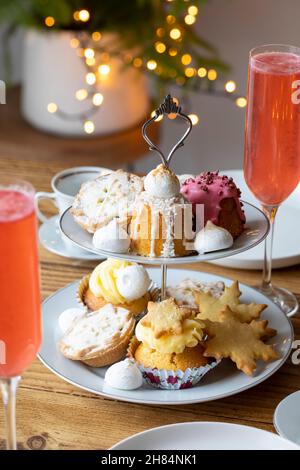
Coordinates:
[157,226]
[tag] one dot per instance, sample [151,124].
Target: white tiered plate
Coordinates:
[223,381]
[256,230]
[205,436]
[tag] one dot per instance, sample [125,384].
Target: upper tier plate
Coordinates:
[257,228]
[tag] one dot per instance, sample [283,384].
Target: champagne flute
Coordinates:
[272,144]
[20,318]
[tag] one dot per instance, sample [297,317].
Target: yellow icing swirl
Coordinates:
[191,335]
[103,280]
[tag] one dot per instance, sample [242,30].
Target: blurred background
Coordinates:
[232,27]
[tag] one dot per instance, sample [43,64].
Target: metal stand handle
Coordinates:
[169,106]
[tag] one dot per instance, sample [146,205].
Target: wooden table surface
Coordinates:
[52,414]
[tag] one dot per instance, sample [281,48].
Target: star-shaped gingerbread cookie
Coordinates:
[210,307]
[166,317]
[241,342]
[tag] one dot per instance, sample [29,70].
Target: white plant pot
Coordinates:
[53,72]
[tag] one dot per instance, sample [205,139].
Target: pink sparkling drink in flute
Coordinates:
[272,147]
[272,143]
[20,311]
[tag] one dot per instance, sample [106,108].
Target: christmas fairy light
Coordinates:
[189,72]
[173,52]
[52,108]
[171,19]
[137,62]
[202,72]
[151,64]
[186,59]
[212,74]
[74,42]
[241,102]
[104,69]
[160,47]
[194,118]
[49,21]
[175,33]
[230,86]
[171,39]
[89,127]
[97,99]
[81,94]
[189,19]
[160,32]
[89,53]
[96,36]
[193,10]
[90,78]
[90,62]
[83,16]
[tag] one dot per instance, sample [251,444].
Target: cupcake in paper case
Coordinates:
[119,282]
[176,375]
[81,291]
[168,346]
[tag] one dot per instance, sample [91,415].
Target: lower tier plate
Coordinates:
[223,381]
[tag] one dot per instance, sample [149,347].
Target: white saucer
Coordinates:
[205,436]
[287,418]
[286,251]
[51,239]
[223,381]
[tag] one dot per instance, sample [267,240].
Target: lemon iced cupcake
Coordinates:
[167,346]
[118,282]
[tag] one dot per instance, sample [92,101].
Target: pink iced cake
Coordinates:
[220,197]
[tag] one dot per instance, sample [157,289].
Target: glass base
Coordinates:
[285,299]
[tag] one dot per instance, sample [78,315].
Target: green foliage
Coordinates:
[135,21]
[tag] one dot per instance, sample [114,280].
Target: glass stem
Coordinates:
[9,389]
[163,294]
[270,212]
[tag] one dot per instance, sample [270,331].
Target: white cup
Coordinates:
[65,185]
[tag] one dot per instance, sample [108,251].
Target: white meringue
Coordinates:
[162,183]
[124,375]
[68,317]
[112,237]
[133,282]
[212,238]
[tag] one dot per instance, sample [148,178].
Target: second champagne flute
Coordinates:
[272,143]
[20,318]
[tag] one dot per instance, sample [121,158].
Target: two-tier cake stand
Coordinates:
[256,229]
